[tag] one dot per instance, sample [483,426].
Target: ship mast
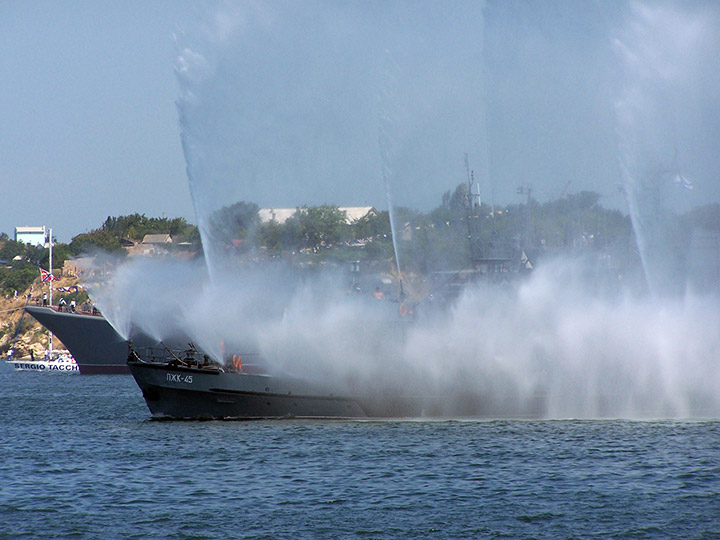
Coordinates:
[50,285]
[472,216]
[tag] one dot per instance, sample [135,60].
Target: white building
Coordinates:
[35,236]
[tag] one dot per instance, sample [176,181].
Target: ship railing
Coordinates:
[250,363]
[164,355]
[81,310]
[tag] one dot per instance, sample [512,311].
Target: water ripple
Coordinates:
[78,464]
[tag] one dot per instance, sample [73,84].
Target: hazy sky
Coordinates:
[89,125]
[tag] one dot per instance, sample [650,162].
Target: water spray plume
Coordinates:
[386,144]
[388,103]
[654,48]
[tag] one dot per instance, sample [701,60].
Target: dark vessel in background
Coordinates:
[92,341]
[95,345]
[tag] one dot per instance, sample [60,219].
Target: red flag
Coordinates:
[47,276]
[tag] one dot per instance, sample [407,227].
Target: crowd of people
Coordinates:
[65,306]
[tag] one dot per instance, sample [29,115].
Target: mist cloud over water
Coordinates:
[284,105]
[549,339]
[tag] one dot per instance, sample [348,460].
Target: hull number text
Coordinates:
[179,377]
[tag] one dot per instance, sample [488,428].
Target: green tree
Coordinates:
[235,222]
[270,237]
[96,240]
[321,225]
[61,253]
[11,249]
[372,226]
[17,278]
[136,226]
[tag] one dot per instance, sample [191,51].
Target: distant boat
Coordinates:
[56,361]
[52,360]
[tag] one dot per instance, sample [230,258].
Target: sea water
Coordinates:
[81,458]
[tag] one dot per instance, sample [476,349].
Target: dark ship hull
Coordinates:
[191,390]
[187,389]
[195,393]
[92,341]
